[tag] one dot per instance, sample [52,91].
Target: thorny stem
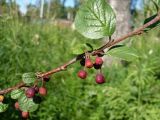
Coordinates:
[63,67]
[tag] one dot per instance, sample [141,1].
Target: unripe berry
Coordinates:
[82,74]
[100,78]
[1,98]
[98,61]
[88,63]
[25,114]
[30,92]
[16,105]
[42,91]
[46,78]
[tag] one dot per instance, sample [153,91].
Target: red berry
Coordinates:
[25,114]
[42,91]
[100,78]
[16,105]
[88,63]
[30,92]
[99,61]
[82,74]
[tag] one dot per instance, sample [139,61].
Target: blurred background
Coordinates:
[39,35]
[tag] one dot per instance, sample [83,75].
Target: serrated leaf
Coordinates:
[15,94]
[27,104]
[81,48]
[3,107]
[95,19]
[125,53]
[29,77]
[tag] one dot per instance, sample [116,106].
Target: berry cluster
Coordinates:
[31,93]
[87,63]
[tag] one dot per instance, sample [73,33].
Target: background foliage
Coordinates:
[131,92]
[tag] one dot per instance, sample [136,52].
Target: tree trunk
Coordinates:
[121,8]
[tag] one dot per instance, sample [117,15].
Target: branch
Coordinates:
[94,52]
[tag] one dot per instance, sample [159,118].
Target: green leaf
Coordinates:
[156,4]
[125,53]
[115,46]
[28,77]
[27,104]
[15,94]
[95,19]
[3,107]
[81,48]
[153,25]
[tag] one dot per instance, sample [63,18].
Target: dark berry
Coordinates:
[46,78]
[36,89]
[16,105]
[101,54]
[30,92]
[82,74]
[88,63]
[82,62]
[97,66]
[98,61]
[100,78]
[25,114]
[37,99]
[42,91]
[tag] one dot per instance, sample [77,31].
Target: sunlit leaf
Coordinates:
[95,19]
[15,94]
[27,104]
[28,77]
[3,107]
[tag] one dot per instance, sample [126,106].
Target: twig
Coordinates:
[94,52]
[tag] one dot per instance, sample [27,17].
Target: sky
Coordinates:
[23,4]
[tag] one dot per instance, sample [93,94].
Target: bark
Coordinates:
[123,16]
[121,8]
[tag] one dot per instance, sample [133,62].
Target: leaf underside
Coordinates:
[27,104]
[29,77]
[125,53]
[15,94]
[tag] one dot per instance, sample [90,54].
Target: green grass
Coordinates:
[131,92]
